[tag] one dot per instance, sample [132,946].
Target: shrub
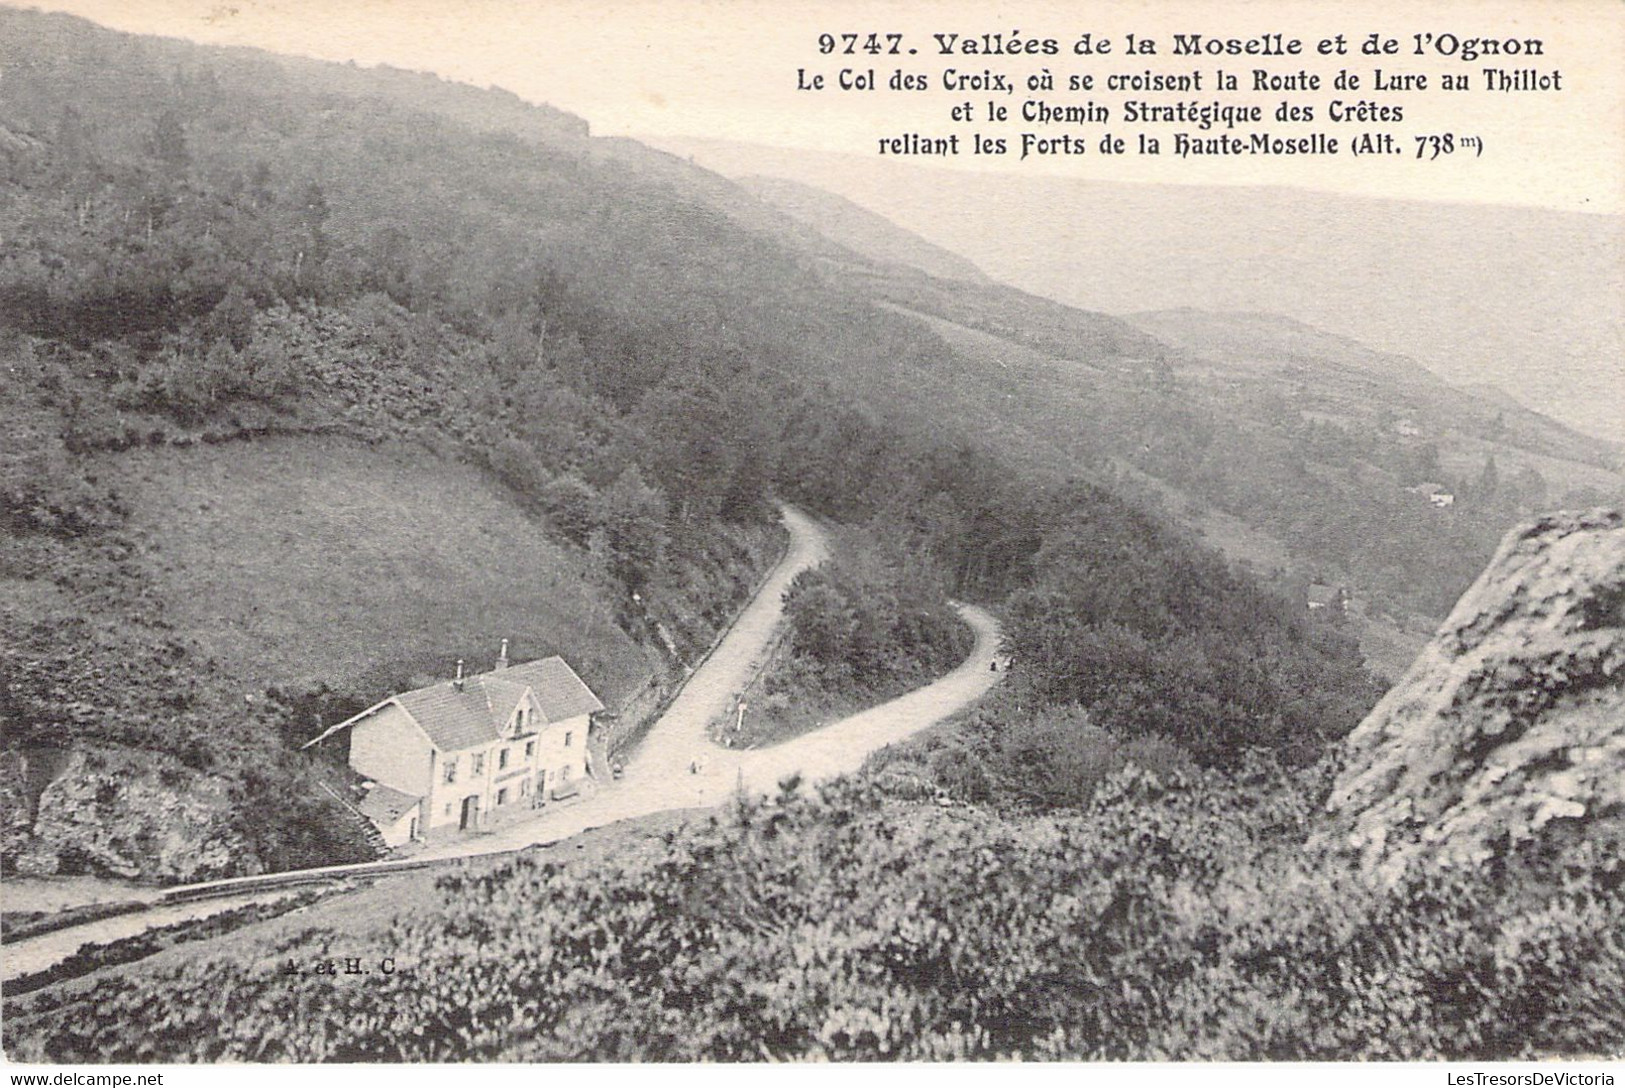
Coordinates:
[1174,917]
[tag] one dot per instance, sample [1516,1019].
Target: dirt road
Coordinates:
[676,767]
[658,777]
[663,776]
[841,748]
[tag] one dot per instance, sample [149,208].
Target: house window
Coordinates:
[502,796]
[524,787]
[567,737]
[530,750]
[502,759]
[448,808]
[564,774]
[451,771]
[479,763]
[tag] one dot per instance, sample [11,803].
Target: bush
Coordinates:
[957,771]
[863,625]
[1049,758]
[1174,917]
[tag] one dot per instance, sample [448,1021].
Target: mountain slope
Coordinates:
[1270,342]
[1525,299]
[1288,433]
[859,229]
[586,349]
[1257,345]
[302,562]
[192,332]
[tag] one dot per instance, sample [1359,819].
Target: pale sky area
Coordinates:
[728,70]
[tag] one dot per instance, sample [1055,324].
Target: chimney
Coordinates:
[502,658]
[458,682]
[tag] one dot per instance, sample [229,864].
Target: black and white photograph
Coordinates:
[723,531]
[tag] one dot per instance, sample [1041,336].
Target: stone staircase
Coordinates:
[369,831]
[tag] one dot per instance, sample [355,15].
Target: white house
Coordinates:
[462,752]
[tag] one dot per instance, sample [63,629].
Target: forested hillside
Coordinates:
[1302,455]
[212,252]
[1315,446]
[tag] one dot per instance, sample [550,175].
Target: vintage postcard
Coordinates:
[739,532]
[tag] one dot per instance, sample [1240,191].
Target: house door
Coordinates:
[471,812]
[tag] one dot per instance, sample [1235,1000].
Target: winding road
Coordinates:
[661,775]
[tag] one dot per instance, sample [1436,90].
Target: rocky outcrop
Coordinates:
[1508,732]
[126,814]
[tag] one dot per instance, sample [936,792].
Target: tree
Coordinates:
[633,518]
[569,503]
[312,213]
[167,143]
[269,370]
[73,158]
[1531,487]
[518,339]
[822,620]
[232,319]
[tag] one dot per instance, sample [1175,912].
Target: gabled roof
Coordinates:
[559,691]
[477,712]
[502,696]
[384,805]
[463,718]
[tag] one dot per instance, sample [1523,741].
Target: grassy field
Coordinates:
[304,561]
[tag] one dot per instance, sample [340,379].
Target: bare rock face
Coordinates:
[126,815]
[1509,730]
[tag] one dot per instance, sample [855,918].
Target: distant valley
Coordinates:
[1299,453]
[1521,299]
